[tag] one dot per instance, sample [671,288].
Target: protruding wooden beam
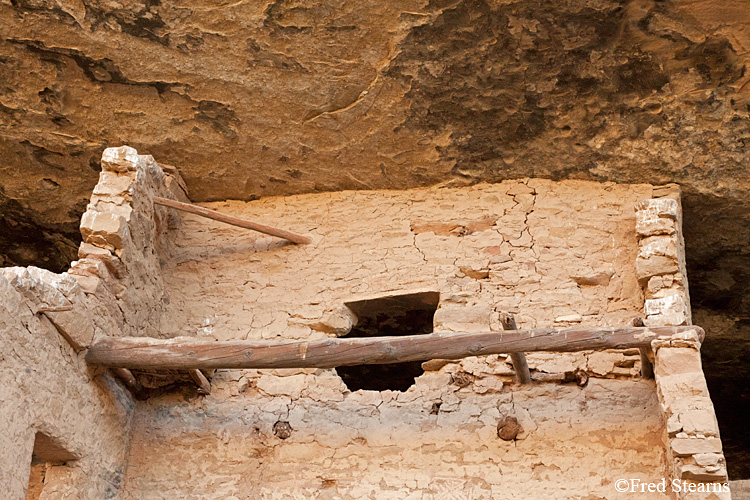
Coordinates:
[53,309]
[128,379]
[235,221]
[204,386]
[647,367]
[518,359]
[188,353]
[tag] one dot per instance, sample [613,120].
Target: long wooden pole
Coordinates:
[647,368]
[235,221]
[188,353]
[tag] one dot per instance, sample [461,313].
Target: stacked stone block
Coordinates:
[125,242]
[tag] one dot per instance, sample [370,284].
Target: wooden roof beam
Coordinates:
[188,353]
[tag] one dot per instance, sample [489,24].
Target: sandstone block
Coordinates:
[656,256]
[656,216]
[676,360]
[675,387]
[654,266]
[658,245]
[692,403]
[337,323]
[105,230]
[122,159]
[683,447]
[113,184]
[700,422]
[708,459]
[697,472]
[89,284]
[667,311]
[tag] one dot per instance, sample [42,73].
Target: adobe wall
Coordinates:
[46,387]
[554,254]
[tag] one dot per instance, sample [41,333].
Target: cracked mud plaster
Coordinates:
[519,246]
[45,386]
[553,253]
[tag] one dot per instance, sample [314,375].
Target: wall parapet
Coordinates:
[694,447]
[125,243]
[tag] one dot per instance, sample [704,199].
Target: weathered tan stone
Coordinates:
[677,360]
[104,230]
[700,422]
[122,159]
[675,387]
[696,472]
[656,217]
[667,311]
[657,255]
[42,288]
[46,387]
[113,184]
[683,447]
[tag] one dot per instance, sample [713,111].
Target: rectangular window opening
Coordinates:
[395,315]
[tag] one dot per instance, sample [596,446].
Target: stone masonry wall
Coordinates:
[114,289]
[46,387]
[124,243]
[694,445]
[554,254]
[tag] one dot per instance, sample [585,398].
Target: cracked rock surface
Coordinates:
[289,97]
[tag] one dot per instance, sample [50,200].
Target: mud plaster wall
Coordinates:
[46,387]
[114,289]
[552,253]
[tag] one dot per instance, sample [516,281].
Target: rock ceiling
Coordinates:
[251,99]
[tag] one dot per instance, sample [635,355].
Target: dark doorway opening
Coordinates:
[396,315]
[47,453]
